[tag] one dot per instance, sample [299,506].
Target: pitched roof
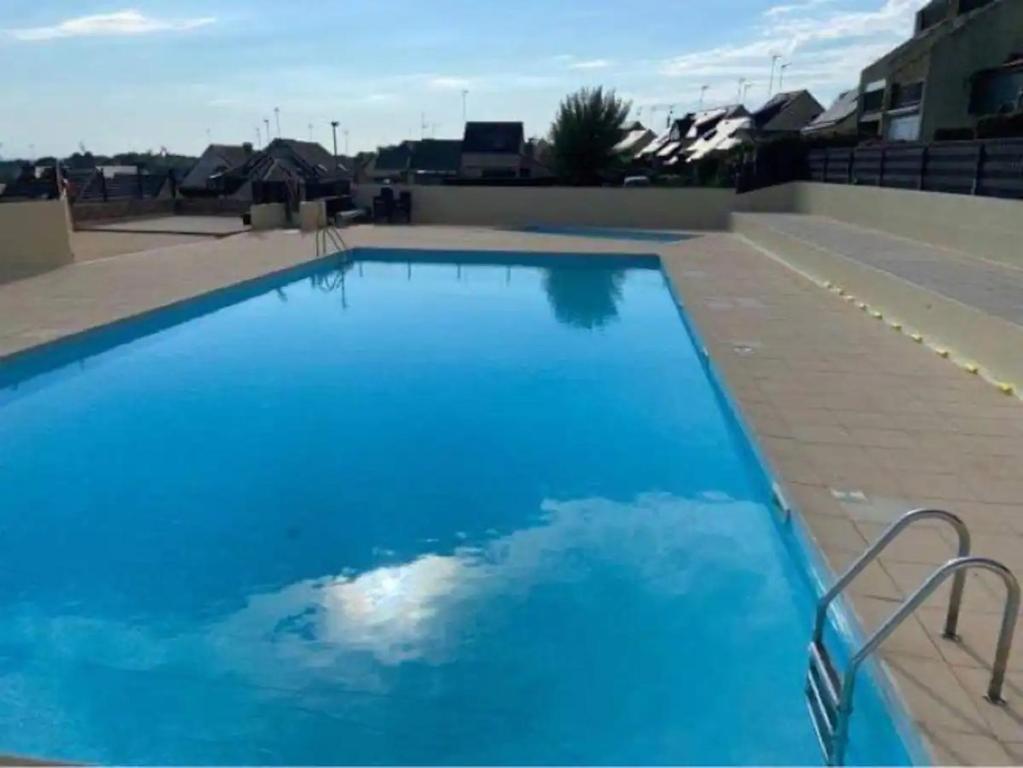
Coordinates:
[722,137]
[394,158]
[635,137]
[437,155]
[789,111]
[493,138]
[842,108]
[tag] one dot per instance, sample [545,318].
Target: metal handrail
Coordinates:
[958,567]
[955,602]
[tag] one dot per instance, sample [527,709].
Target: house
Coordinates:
[391,164]
[670,150]
[216,159]
[304,165]
[635,138]
[426,161]
[785,113]
[726,135]
[837,120]
[494,151]
[949,75]
[434,160]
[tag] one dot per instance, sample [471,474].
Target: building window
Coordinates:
[905,128]
[907,94]
[997,91]
[873,101]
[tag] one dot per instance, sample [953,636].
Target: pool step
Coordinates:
[822,686]
[829,695]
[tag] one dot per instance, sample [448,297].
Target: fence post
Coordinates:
[979,171]
[923,167]
[880,174]
[103,185]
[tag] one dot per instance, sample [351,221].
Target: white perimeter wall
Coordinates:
[982,226]
[34,237]
[566,206]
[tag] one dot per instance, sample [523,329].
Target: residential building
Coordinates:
[837,120]
[216,159]
[304,165]
[957,68]
[670,150]
[426,161]
[635,138]
[785,113]
[494,151]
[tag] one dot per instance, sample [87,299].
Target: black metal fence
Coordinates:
[993,168]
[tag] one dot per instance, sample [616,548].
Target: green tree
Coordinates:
[587,128]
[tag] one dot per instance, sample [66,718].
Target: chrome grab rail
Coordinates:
[883,541]
[330,233]
[830,697]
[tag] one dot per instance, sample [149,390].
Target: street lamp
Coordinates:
[703,92]
[277,116]
[333,129]
[781,75]
[774,63]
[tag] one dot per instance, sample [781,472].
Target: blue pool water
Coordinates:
[420,512]
[610,233]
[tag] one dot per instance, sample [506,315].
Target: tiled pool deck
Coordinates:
[859,422]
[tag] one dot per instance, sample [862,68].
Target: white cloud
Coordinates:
[449,83]
[825,48]
[119,23]
[590,64]
[785,10]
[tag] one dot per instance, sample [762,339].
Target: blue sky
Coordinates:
[141,75]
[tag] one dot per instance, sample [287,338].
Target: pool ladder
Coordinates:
[830,695]
[329,241]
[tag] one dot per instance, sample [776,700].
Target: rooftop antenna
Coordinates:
[742,81]
[465,110]
[745,91]
[774,63]
[310,131]
[333,129]
[703,92]
[266,122]
[277,116]
[781,75]
[259,136]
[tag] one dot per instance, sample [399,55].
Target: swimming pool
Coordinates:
[424,507]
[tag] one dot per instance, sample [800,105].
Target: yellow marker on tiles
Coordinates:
[828,284]
[896,326]
[862,305]
[841,291]
[1006,389]
[942,352]
[971,368]
[917,338]
[876,315]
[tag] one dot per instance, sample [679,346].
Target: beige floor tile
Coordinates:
[978,636]
[977,596]
[935,696]
[954,749]
[1004,720]
[909,639]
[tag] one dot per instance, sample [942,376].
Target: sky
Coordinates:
[126,75]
